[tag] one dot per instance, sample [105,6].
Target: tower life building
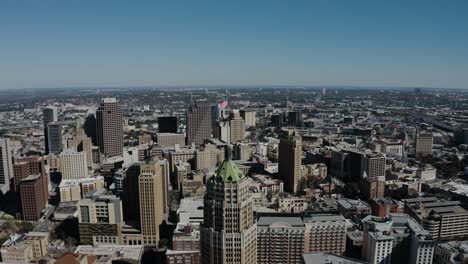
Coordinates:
[109,124]
[290,162]
[49,115]
[229,230]
[6,165]
[198,122]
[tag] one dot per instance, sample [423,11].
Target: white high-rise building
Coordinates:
[381,235]
[73,165]
[6,165]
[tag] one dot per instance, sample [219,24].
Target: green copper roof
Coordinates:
[229,172]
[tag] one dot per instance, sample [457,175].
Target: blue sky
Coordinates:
[76,43]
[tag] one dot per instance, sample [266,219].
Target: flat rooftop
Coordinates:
[293,221]
[325,258]
[113,251]
[324,218]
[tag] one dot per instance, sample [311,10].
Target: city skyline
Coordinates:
[319,43]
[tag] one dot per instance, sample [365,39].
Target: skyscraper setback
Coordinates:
[199,122]
[110,127]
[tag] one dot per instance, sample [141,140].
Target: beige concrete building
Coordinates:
[280,239]
[424,143]
[14,250]
[222,131]
[151,190]
[39,242]
[170,139]
[242,151]
[73,165]
[445,220]
[209,157]
[228,231]
[290,162]
[100,219]
[325,233]
[145,139]
[250,117]
[69,192]
[237,128]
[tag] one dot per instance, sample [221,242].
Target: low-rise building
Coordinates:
[349,207]
[445,220]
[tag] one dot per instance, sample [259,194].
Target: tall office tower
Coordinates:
[290,162]
[280,239]
[222,131]
[373,165]
[32,196]
[89,127]
[198,122]
[109,123]
[277,120]
[49,115]
[325,233]
[215,114]
[73,165]
[31,185]
[209,157]
[424,142]
[228,231]
[130,198]
[167,124]
[6,165]
[295,118]
[165,173]
[54,138]
[100,219]
[237,128]
[249,116]
[151,201]
[84,144]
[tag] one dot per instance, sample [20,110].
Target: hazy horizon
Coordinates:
[208,43]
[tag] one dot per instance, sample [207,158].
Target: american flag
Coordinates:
[222,105]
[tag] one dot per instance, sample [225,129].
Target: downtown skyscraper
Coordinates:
[109,125]
[199,122]
[290,162]
[49,116]
[6,165]
[229,229]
